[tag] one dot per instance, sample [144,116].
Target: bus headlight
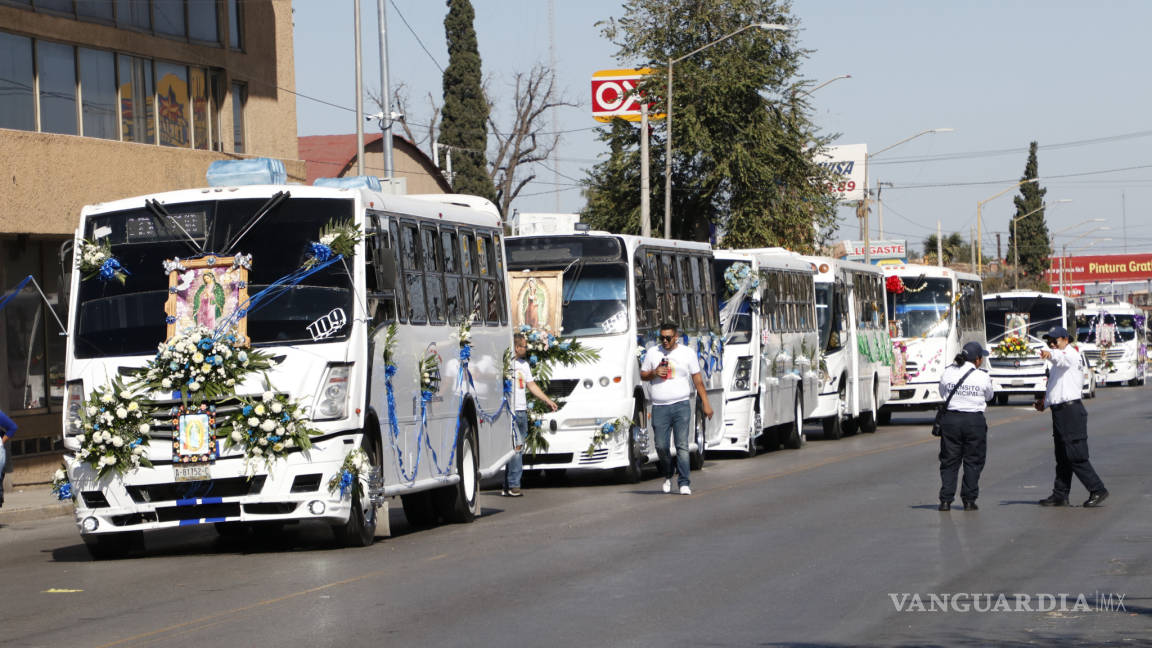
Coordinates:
[743,374]
[333,400]
[73,400]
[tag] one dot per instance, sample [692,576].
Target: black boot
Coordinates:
[970,505]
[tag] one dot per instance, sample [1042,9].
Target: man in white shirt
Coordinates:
[673,370]
[1069,422]
[523,382]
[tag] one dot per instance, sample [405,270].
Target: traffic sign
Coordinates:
[614,95]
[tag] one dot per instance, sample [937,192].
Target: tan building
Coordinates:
[104,99]
[334,156]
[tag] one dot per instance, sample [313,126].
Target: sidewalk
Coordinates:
[29,502]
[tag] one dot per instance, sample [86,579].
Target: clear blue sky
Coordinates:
[1069,75]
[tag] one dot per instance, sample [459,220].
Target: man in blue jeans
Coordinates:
[7,429]
[522,382]
[673,371]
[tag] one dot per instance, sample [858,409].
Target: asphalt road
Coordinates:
[815,547]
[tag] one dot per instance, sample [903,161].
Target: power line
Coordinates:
[942,157]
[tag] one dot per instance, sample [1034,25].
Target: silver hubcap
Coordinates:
[469,476]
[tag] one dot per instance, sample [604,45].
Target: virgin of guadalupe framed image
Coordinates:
[207,292]
[536,299]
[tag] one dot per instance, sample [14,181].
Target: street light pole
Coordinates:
[668,113]
[980,224]
[1015,242]
[1064,253]
[864,201]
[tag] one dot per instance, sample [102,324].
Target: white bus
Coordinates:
[855,362]
[1025,316]
[1114,339]
[771,348]
[933,312]
[423,267]
[616,291]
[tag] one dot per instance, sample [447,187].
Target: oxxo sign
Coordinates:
[614,95]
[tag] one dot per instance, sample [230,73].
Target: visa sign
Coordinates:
[614,95]
[846,165]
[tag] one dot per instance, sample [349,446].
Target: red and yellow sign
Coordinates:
[1104,267]
[614,95]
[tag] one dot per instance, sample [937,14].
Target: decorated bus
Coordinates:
[1015,323]
[771,348]
[855,352]
[1114,339]
[933,312]
[610,293]
[256,353]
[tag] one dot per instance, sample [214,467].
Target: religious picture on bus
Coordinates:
[206,294]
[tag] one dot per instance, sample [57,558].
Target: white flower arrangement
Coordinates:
[347,481]
[464,334]
[268,428]
[336,238]
[737,274]
[96,259]
[429,375]
[201,365]
[114,430]
[62,486]
[607,430]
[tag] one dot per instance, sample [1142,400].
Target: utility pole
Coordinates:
[645,209]
[998,257]
[359,91]
[386,119]
[939,246]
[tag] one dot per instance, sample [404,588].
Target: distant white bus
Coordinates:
[616,291]
[1027,315]
[855,366]
[771,348]
[933,314]
[1114,339]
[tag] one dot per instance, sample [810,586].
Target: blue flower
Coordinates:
[173,366]
[321,252]
[247,410]
[110,268]
[390,371]
[65,492]
[532,359]
[205,344]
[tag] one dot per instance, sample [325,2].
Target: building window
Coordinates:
[239,101]
[134,13]
[169,17]
[202,22]
[17,103]
[235,25]
[98,93]
[33,350]
[172,105]
[100,10]
[62,6]
[57,70]
[137,112]
[201,102]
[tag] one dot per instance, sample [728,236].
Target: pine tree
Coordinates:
[1033,243]
[742,139]
[463,123]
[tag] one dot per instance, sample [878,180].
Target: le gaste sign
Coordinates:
[614,95]
[845,165]
[882,251]
[1102,267]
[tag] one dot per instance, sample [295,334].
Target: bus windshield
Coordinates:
[1087,325]
[922,310]
[1039,313]
[129,319]
[595,300]
[740,329]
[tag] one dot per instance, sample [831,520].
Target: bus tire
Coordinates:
[795,435]
[632,473]
[112,546]
[834,425]
[696,459]
[418,509]
[868,419]
[460,502]
[360,529]
[884,416]
[754,430]
[1002,398]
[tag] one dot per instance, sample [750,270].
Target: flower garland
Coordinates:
[95,259]
[547,350]
[429,375]
[737,274]
[201,366]
[114,430]
[337,238]
[607,430]
[269,428]
[62,486]
[347,480]
[1013,347]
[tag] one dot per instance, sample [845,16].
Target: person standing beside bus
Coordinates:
[1069,422]
[522,383]
[673,370]
[964,430]
[8,427]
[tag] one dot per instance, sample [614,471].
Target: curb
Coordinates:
[33,513]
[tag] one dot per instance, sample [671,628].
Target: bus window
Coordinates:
[468,267]
[667,292]
[413,279]
[433,281]
[491,284]
[683,286]
[710,309]
[453,282]
[697,291]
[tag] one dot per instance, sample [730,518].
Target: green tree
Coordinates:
[743,142]
[956,250]
[464,120]
[1032,231]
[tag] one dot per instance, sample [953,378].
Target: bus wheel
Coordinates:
[753,430]
[868,419]
[460,502]
[1002,398]
[631,473]
[418,509]
[360,529]
[884,416]
[834,425]
[795,436]
[110,546]
[696,459]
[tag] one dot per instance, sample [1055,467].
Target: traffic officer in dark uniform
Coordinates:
[1069,422]
[964,431]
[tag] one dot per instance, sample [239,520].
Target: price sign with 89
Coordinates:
[843,186]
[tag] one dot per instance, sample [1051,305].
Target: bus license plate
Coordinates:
[191,472]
